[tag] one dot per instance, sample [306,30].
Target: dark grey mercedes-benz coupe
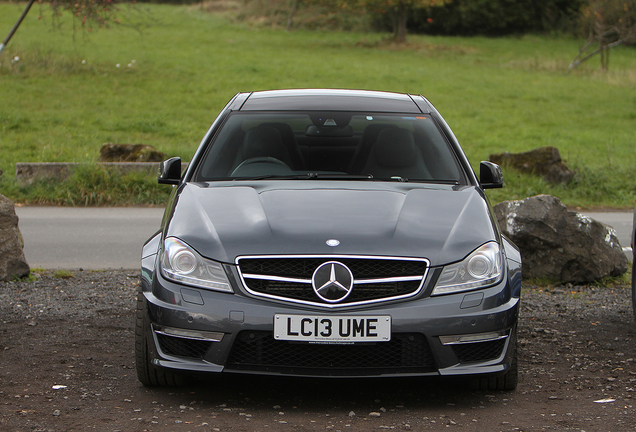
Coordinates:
[329,233]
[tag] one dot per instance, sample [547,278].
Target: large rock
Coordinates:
[559,244]
[12,262]
[130,153]
[544,161]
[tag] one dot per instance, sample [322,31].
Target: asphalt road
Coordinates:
[111,238]
[89,238]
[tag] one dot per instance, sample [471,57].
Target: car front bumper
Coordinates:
[198,330]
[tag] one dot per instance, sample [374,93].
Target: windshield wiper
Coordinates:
[319,176]
[308,176]
[436,181]
[342,176]
[270,176]
[417,180]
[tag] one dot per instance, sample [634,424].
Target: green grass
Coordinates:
[606,187]
[91,185]
[63,274]
[65,97]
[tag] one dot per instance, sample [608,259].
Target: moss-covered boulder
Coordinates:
[544,161]
[130,153]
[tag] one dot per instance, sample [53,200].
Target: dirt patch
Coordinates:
[66,364]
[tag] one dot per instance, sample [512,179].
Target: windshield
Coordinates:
[329,145]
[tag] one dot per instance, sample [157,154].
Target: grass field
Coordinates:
[72,91]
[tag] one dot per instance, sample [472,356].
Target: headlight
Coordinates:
[480,269]
[180,263]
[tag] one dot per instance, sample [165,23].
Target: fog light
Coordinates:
[471,338]
[189,334]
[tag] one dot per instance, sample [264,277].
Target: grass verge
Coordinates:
[92,185]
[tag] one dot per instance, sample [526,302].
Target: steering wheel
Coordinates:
[262,160]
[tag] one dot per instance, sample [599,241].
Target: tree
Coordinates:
[397,10]
[610,23]
[100,12]
[291,14]
[15,27]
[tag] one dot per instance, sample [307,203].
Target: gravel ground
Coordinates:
[67,364]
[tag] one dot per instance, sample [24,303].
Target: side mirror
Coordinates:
[170,171]
[490,175]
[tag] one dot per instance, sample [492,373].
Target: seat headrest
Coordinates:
[261,141]
[395,148]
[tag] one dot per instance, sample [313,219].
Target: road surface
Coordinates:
[92,238]
[111,238]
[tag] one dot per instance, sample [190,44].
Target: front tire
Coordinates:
[505,382]
[634,288]
[147,373]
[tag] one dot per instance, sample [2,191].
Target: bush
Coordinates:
[309,15]
[494,17]
[605,15]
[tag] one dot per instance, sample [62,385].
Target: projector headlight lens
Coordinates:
[182,264]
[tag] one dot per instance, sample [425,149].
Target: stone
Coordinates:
[12,261]
[130,153]
[559,244]
[28,173]
[544,161]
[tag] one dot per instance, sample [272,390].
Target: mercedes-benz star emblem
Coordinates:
[332,281]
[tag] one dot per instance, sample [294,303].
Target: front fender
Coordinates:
[148,258]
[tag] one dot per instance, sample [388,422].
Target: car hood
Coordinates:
[442,224]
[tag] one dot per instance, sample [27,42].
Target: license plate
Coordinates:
[332,329]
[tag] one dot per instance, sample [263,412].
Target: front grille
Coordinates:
[259,351]
[375,278]
[182,347]
[479,351]
[360,292]
[362,268]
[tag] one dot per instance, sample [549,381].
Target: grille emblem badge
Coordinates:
[332,281]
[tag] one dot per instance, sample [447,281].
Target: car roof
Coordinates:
[333,100]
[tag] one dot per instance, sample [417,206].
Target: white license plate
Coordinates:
[333,329]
